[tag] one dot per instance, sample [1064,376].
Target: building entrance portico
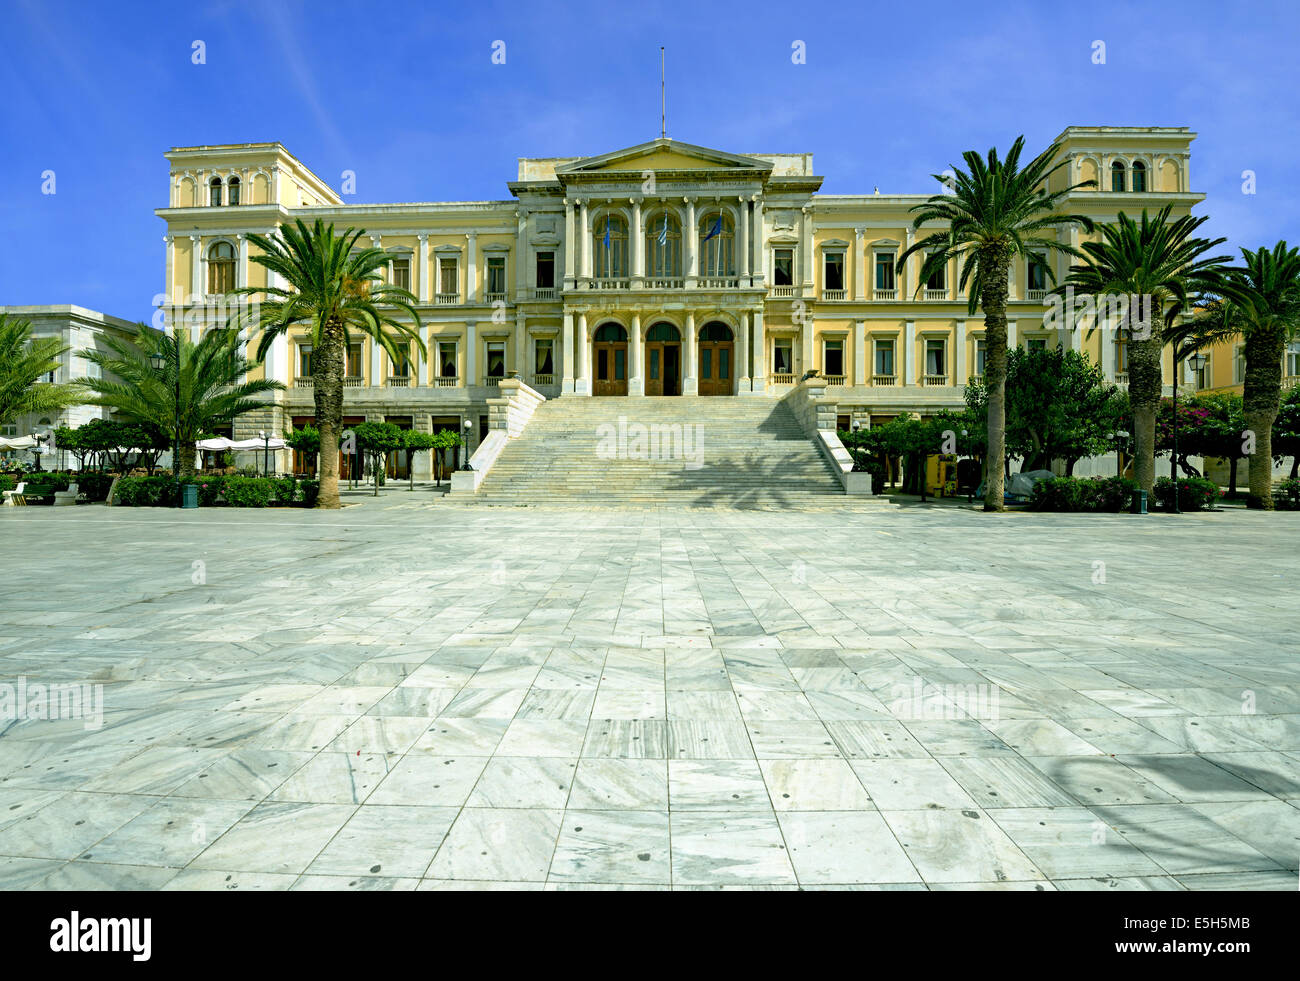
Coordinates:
[716,359]
[609,358]
[663,360]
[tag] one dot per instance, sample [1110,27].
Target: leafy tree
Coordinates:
[306,440]
[112,441]
[1058,407]
[414,441]
[1165,264]
[332,288]
[1286,431]
[995,211]
[24,361]
[447,439]
[376,440]
[197,390]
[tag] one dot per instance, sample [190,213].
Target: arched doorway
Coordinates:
[663,360]
[609,354]
[717,358]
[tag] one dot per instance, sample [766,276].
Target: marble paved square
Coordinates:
[404,695]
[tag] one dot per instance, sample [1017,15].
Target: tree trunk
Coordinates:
[1144,384]
[1262,400]
[327,367]
[995,265]
[185,465]
[1232,478]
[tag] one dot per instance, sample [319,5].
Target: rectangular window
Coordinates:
[304,360]
[1293,359]
[885,358]
[1239,364]
[544,355]
[401,366]
[402,273]
[783,356]
[496,359]
[1034,344]
[783,273]
[833,358]
[939,280]
[1204,375]
[545,270]
[446,359]
[1121,352]
[496,274]
[934,357]
[354,368]
[448,280]
[833,271]
[885,271]
[981,356]
[1037,273]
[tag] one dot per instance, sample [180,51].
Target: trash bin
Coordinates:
[1139,505]
[189,495]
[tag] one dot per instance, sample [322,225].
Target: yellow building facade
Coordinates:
[663,269]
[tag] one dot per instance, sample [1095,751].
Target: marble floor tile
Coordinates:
[336,778]
[620,784]
[276,836]
[960,845]
[427,779]
[625,847]
[837,847]
[906,784]
[1182,841]
[1072,842]
[524,781]
[501,844]
[392,841]
[716,848]
[814,785]
[1005,782]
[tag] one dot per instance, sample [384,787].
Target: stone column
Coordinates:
[806,342]
[760,251]
[521,254]
[422,283]
[860,353]
[742,357]
[759,382]
[471,352]
[959,356]
[241,267]
[690,379]
[1011,333]
[690,242]
[638,244]
[584,242]
[570,270]
[744,242]
[421,363]
[806,248]
[521,345]
[471,268]
[566,356]
[859,264]
[906,366]
[636,357]
[197,286]
[582,358]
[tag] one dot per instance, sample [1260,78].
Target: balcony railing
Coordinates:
[307,382]
[1036,296]
[781,378]
[447,299]
[399,381]
[349,381]
[884,381]
[353,381]
[494,297]
[666,283]
[543,380]
[936,294]
[1121,378]
[934,381]
[609,284]
[783,290]
[883,294]
[834,381]
[544,293]
[835,294]
[719,282]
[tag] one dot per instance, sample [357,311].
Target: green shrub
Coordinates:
[209,489]
[8,482]
[310,491]
[1082,494]
[286,490]
[248,492]
[1286,495]
[1194,493]
[145,492]
[94,486]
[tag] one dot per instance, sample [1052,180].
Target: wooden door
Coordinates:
[663,369]
[610,362]
[717,361]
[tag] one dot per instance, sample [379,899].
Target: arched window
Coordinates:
[214,192]
[1139,175]
[610,333]
[232,191]
[662,333]
[221,268]
[663,246]
[1117,176]
[609,247]
[717,245]
[716,331]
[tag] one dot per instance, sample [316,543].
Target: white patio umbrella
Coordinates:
[274,443]
[216,444]
[17,443]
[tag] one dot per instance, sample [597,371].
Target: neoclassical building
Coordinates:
[664,269]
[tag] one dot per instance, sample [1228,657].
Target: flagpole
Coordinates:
[663,99]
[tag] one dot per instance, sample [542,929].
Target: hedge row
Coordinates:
[1286,495]
[1082,494]
[235,491]
[1194,493]
[91,486]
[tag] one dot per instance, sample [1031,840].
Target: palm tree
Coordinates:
[1164,267]
[196,390]
[1261,305]
[23,363]
[333,288]
[995,211]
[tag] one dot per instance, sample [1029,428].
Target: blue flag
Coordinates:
[606,233]
[716,229]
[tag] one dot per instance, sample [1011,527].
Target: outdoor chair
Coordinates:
[14,497]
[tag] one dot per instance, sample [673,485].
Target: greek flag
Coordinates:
[663,232]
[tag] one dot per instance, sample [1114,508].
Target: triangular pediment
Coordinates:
[663,154]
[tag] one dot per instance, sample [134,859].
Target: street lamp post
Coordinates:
[465,448]
[1121,440]
[158,361]
[265,437]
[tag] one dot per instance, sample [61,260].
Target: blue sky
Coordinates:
[406,95]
